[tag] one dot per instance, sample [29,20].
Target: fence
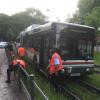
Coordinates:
[30,87]
[32,90]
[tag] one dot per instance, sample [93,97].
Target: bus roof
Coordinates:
[78,25]
[31,27]
[48,26]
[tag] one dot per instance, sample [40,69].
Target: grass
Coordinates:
[83,92]
[97,58]
[45,87]
[50,92]
[95,78]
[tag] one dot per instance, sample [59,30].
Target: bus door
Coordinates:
[42,49]
[47,44]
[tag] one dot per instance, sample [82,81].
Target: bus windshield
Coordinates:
[74,45]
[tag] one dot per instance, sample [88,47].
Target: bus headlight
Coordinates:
[87,69]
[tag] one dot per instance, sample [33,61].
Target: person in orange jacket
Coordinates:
[21,52]
[55,68]
[55,65]
[15,64]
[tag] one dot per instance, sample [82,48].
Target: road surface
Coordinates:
[8,91]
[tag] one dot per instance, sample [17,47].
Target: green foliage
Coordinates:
[10,26]
[94,79]
[93,18]
[76,18]
[4,26]
[96,3]
[85,6]
[97,58]
[88,13]
[83,92]
[10,34]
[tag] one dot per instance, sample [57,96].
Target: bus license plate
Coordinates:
[75,74]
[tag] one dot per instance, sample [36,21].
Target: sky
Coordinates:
[54,9]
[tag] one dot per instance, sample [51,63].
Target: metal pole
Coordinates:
[32,86]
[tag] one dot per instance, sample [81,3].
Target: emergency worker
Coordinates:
[55,66]
[22,52]
[15,64]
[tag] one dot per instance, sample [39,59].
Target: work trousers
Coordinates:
[10,69]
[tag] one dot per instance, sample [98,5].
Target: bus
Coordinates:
[75,44]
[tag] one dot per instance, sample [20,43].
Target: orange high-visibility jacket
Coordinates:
[21,51]
[21,62]
[14,62]
[18,61]
[52,67]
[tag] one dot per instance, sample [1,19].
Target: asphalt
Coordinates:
[8,91]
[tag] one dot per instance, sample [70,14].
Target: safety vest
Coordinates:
[14,62]
[21,62]
[18,61]
[53,68]
[21,51]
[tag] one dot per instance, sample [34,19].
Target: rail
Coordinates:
[40,91]
[97,66]
[97,69]
[66,90]
[90,86]
[30,87]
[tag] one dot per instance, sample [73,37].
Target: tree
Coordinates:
[10,35]
[12,25]
[93,18]
[4,25]
[96,3]
[75,19]
[37,15]
[85,6]
[88,13]
[20,21]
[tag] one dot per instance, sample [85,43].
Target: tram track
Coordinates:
[97,66]
[88,86]
[70,93]
[75,95]
[64,89]
[97,69]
